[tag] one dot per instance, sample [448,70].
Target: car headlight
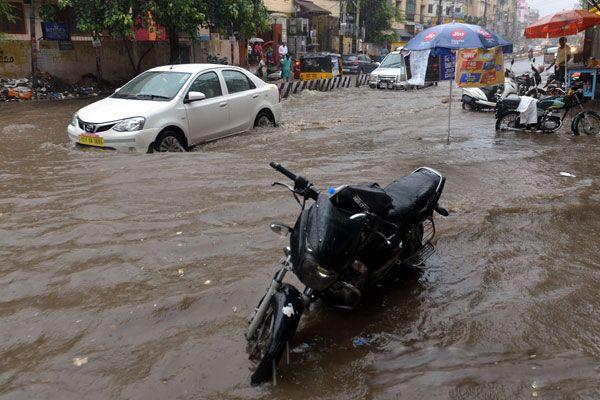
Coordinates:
[74,120]
[130,124]
[373,76]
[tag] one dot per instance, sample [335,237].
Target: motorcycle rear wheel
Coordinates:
[508,120]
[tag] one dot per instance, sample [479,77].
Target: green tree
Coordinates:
[244,17]
[177,16]
[376,16]
[118,18]
[6,12]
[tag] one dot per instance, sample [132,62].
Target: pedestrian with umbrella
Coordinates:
[559,25]
[443,40]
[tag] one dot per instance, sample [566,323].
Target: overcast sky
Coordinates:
[549,6]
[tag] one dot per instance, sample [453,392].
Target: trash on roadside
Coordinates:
[359,342]
[49,87]
[181,271]
[207,282]
[79,361]
[567,174]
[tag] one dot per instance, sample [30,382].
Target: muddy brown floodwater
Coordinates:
[131,276]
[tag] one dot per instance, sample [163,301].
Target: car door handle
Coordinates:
[255,95]
[223,104]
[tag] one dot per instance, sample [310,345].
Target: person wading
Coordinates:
[286,66]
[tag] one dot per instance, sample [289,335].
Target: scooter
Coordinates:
[588,122]
[485,98]
[346,242]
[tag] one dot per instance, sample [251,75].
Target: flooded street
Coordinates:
[130,276]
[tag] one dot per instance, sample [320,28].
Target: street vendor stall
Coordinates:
[587,75]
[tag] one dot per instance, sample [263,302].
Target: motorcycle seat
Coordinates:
[414,196]
[511,101]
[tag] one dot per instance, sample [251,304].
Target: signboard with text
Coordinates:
[479,67]
[447,67]
[55,31]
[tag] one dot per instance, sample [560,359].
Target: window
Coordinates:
[237,81]
[410,10]
[208,84]
[153,85]
[430,9]
[17,26]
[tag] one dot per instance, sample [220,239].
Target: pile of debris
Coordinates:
[48,87]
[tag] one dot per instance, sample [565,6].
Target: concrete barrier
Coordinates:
[323,85]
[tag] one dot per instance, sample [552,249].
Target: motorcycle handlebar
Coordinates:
[300,183]
[280,168]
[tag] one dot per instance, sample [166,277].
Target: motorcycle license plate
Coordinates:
[91,140]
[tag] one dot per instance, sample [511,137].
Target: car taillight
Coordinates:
[356,62]
[297,63]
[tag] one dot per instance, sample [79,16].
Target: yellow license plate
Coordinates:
[91,140]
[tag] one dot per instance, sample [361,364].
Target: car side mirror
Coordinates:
[117,89]
[378,64]
[194,96]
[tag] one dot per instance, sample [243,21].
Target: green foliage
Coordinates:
[178,16]
[246,17]
[376,16]
[47,12]
[6,10]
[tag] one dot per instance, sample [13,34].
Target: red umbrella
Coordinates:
[562,23]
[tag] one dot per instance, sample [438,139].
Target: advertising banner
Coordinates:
[479,67]
[447,67]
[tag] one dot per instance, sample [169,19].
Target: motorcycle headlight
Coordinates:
[130,124]
[74,120]
[315,276]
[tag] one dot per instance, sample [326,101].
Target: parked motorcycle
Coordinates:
[348,240]
[588,122]
[217,60]
[485,98]
[529,83]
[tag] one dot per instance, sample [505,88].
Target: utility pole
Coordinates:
[341,32]
[33,45]
[356,26]
[440,18]
[485,3]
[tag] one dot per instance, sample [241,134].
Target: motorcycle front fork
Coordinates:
[260,311]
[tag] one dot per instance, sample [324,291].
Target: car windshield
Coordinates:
[349,58]
[393,60]
[153,85]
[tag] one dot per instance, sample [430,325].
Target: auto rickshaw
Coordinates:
[320,66]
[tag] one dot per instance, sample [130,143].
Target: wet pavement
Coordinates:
[131,276]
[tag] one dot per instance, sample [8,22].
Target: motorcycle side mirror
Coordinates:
[533,59]
[280,229]
[512,62]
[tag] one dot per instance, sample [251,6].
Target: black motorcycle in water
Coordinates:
[348,240]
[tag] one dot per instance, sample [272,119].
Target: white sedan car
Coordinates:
[173,108]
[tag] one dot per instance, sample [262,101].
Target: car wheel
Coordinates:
[169,141]
[264,119]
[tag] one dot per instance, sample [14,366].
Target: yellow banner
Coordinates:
[479,67]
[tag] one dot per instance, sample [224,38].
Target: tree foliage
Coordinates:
[244,17]
[376,16]
[6,12]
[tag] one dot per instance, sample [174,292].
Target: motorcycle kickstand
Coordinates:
[287,353]
[274,372]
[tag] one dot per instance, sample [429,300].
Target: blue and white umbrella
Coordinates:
[445,38]
[442,39]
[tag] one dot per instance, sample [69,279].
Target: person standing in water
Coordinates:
[286,67]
